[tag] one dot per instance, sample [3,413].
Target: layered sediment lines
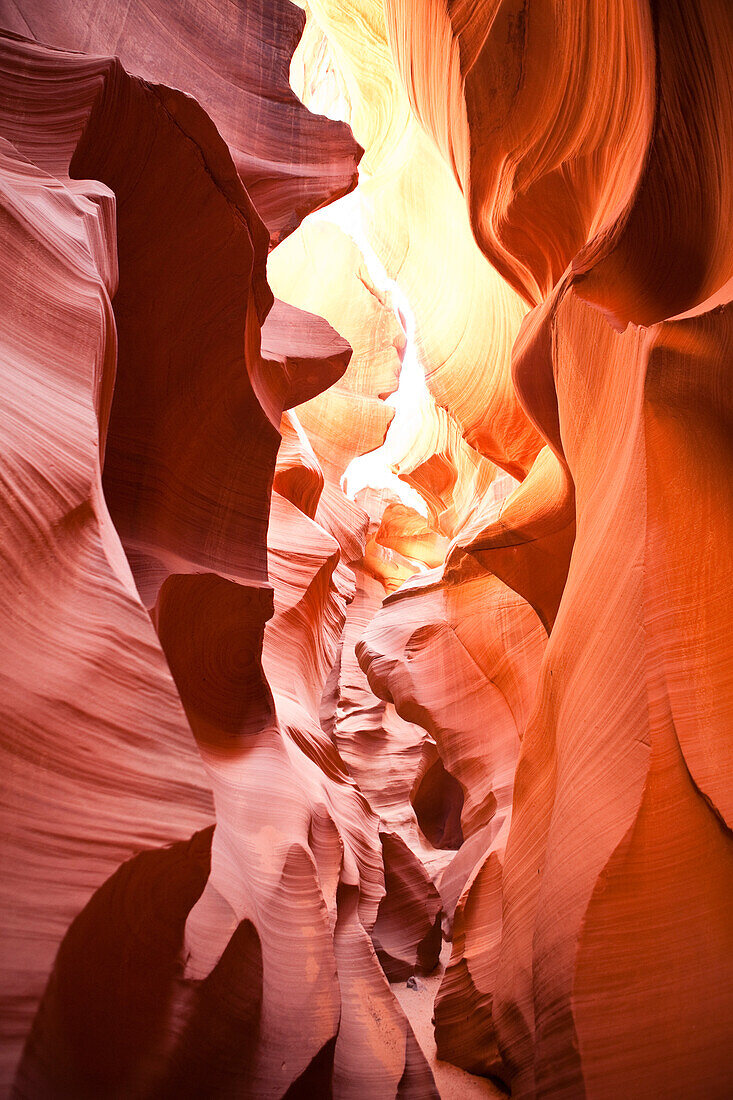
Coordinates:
[617,876]
[97,756]
[235,62]
[366,551]
[166,422]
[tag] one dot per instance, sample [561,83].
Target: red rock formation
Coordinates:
[464,1029]
[413,214]
[541,169]
[235,62]
[496,707]
[310,355]
[192,509]
[342,291]
[381,750]
[464,626]
[468,627]
[407,934]
[97,755]
[635,721]
[594,210]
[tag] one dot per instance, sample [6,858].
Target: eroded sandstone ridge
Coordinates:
[367,548]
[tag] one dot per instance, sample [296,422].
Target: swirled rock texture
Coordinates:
[184,423]
[414,217]
[98,759]
[466,625]
[367,543]
[594,154]
[235,62]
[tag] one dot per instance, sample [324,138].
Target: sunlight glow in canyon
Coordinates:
[366,546]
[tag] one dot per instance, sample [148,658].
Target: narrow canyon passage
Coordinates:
[366,529]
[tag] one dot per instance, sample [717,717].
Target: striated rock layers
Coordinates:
[139,460]
[367,548]
[593,147]
[235,61]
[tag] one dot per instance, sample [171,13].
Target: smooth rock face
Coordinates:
[265,922]
[235,62]
[98,761]
[367,545]
[611,924]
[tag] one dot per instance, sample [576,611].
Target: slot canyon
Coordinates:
[366,549]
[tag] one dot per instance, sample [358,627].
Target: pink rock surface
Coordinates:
[98,759]
[235,61]
[466,627]
[192,510]
[597,215]
[312,657]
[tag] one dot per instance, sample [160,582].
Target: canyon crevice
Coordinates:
[366,529]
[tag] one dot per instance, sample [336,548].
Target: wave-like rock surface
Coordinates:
[463,624]
[321,269]
[264,745]
[597,188]
[272,912]
[98,759]
[413,214]
[235,61]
